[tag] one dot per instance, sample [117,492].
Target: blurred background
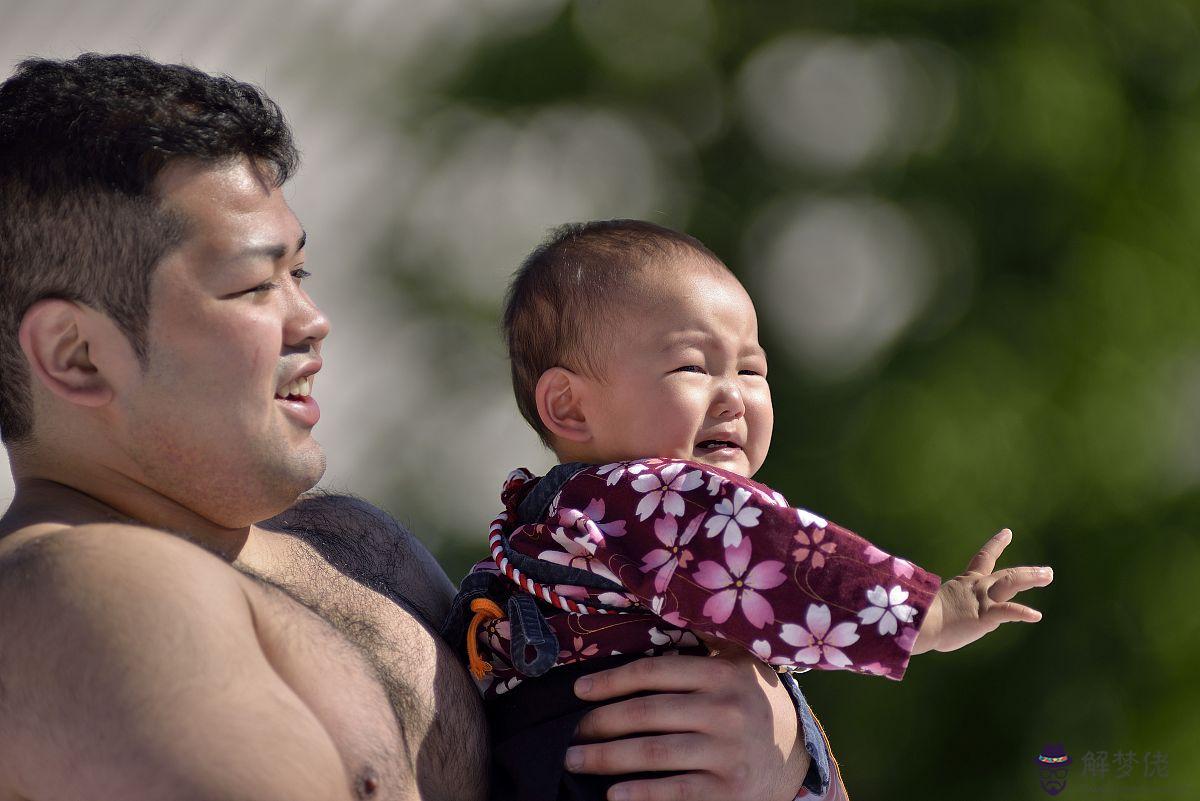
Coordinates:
[971,229]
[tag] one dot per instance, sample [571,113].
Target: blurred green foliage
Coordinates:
[1061,400]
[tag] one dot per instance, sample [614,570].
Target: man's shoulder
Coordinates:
[117,543]
[76,569]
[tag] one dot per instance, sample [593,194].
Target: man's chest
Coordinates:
[439,732]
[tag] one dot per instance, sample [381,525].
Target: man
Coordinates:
[157,358]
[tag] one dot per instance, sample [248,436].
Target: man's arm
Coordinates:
[130,668]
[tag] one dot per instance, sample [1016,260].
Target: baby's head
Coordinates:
[629,341]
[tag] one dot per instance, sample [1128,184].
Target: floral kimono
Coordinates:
[594,563]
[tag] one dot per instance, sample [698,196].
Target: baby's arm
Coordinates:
[978,601]
[725,557]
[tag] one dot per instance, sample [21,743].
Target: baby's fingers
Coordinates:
[985,560]
[1009,613]
[1013,580]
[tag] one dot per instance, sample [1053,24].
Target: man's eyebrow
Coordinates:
[272,252]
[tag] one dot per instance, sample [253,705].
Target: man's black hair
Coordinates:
[81,144]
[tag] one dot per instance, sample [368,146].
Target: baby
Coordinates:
[635,356]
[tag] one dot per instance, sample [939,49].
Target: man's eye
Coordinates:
[299,274]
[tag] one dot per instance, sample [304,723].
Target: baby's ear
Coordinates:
[558,396]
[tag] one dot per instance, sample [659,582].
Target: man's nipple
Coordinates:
[367,783]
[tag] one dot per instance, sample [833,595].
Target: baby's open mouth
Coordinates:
[715,444]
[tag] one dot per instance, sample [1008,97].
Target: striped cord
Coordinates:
[496,543]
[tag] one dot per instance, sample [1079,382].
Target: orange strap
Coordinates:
[484,610]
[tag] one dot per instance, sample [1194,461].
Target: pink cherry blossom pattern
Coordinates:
[814,547]
[730,516]
[579,552]
[887,607]
[577,652]
[498,634]
[874,555]
[874,668]
[773,497]
[739,584]
[901,567]
[658,604]
[674,555]
[555,503]
[663,489]
[809,520]
[762,649]
[817,643]
[508,685]
[594,515]
[673,638]
[615,470]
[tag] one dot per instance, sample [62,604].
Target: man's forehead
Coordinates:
[238,179]
[231,204]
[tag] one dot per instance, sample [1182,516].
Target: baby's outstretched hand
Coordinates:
[977,602]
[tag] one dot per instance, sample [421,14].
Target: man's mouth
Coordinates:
[295,398]
[297,390]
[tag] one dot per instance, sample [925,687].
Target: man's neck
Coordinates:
[41,501]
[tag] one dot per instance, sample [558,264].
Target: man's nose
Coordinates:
[306,323]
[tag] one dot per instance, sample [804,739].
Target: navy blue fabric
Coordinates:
[817,778]
[534,506]
[531,727]
[530,631]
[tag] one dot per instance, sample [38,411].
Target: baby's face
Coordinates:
[685,376]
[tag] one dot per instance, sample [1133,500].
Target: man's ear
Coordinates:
[57,339]
[559,395]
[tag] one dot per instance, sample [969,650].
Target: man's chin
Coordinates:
[284,495]
[292,476]
[311,468]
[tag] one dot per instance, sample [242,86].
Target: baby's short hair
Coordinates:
[566,289]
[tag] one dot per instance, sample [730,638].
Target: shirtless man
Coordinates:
[157,352]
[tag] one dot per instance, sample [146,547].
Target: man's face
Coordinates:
[217,421]
[685,376]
